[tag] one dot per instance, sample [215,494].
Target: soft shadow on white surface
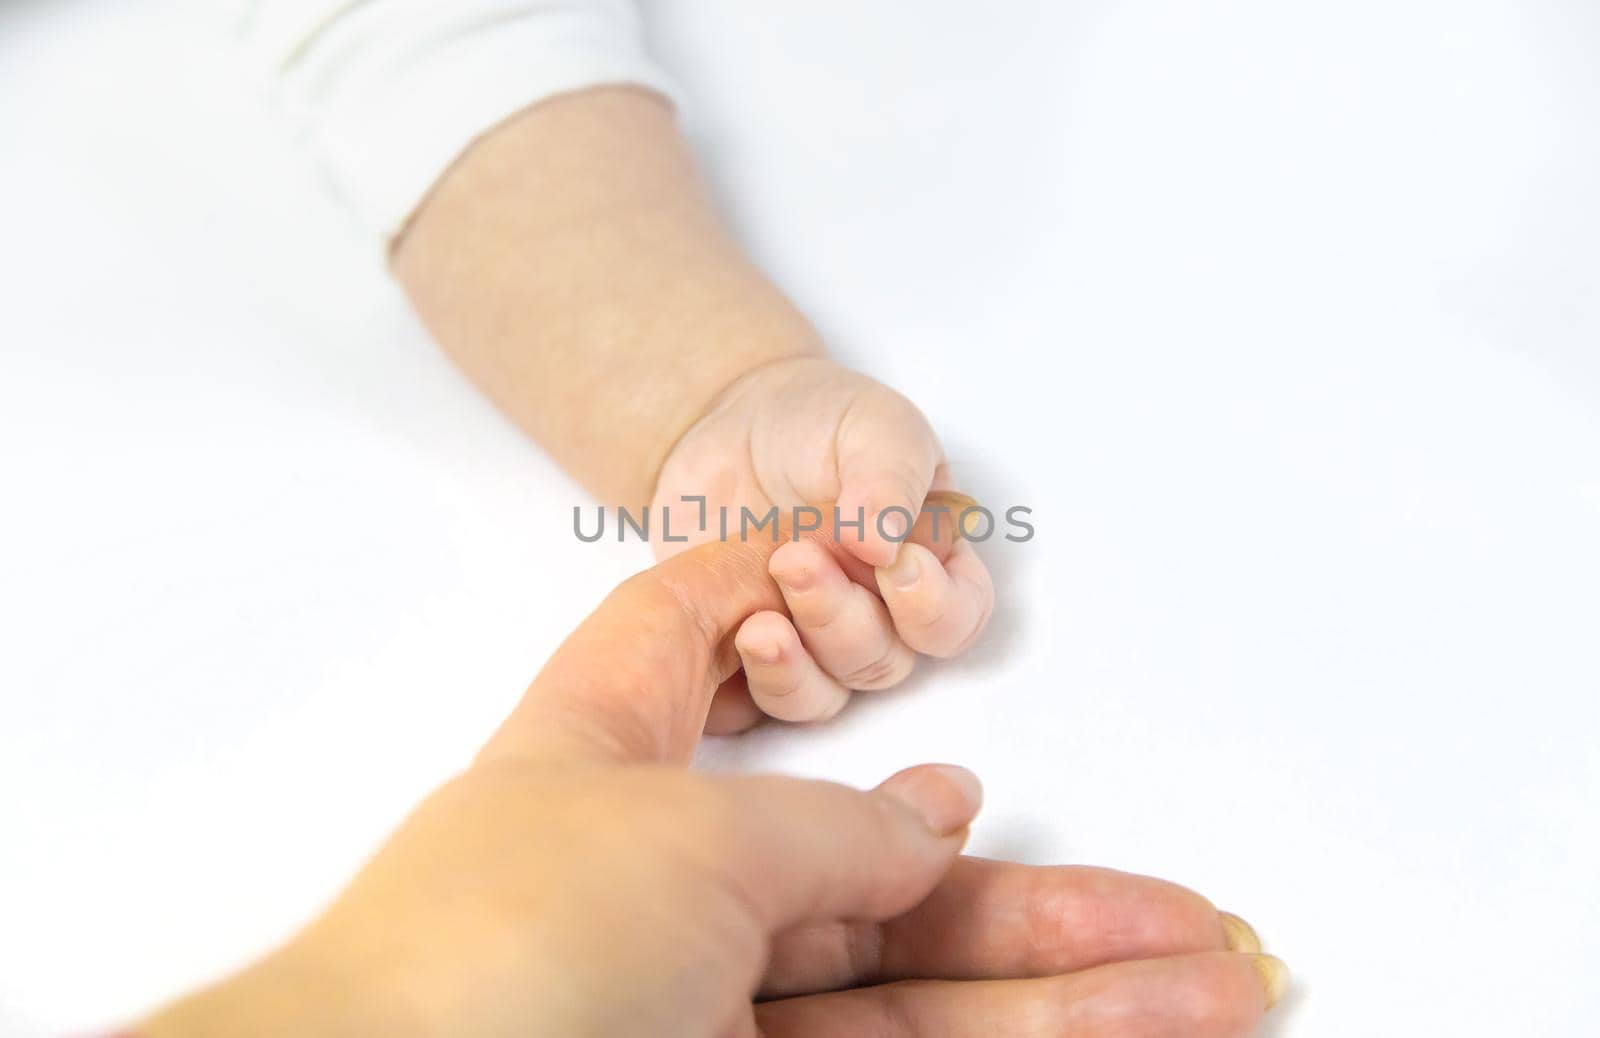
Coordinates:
[1281,317]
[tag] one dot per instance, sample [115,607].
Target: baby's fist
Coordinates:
[860,608]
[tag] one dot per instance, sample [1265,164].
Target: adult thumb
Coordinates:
[800,850]
[634,682]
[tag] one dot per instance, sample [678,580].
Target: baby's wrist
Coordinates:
[791,353]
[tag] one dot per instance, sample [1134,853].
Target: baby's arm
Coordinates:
[573,266]
[562,249]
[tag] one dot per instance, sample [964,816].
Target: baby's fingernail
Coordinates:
[892,525]
[797,580]
[765,652]
[1274,976]
[944,796]
[1238,934]
[906,569]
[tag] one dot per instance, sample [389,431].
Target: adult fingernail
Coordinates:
[906,569]
[1239,935]
[1274,976]
[944,796]
[955,504]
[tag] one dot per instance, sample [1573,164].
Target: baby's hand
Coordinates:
[803,431]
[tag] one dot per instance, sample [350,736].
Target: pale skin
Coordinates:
[574,267]
[578,880]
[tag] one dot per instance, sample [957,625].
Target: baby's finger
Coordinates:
[846,628]
[785,682]
[938,610]
[945,518]
[887,458]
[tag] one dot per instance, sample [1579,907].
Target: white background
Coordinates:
[1283,318]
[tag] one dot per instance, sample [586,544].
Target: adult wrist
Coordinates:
[291,991]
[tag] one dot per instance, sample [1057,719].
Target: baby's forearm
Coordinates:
[572,264]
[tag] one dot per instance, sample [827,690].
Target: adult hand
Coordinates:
[575,880]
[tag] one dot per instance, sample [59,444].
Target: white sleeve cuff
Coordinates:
[389,92]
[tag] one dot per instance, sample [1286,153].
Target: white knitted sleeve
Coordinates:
[387,93]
